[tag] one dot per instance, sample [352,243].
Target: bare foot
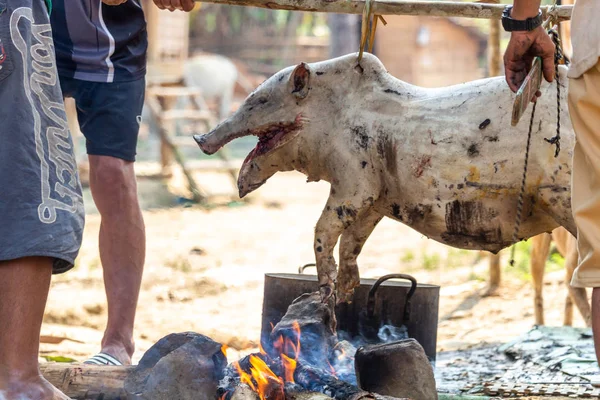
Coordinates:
[119,352]
[36,388]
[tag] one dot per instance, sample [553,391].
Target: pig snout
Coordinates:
[203,143]
[222,134]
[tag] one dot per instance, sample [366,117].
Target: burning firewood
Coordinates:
[306,380]
[244,392]
[293,395]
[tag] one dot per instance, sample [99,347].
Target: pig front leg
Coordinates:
[337,216]
[351,243]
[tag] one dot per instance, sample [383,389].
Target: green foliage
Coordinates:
[431,262]
[408,257]
[59,359]
[210,22]
[522,267]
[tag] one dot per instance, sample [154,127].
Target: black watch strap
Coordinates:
[512,25]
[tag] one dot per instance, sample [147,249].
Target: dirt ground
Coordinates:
[205,268]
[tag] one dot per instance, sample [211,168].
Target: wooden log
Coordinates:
[291,395]
[390,7]
[87,382]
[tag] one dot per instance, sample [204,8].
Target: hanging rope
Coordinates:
[558,57]
[368,28]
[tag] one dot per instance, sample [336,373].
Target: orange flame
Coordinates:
[270,386]
[290,353]
[261,379]
[244,377]
[289,367]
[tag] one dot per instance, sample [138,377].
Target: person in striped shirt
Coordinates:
[101,60]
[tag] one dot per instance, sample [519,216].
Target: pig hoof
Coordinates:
[345,296]
[327,291]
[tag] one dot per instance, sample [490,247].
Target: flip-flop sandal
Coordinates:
[103,359]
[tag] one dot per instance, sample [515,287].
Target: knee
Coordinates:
[349,251]
[112,176]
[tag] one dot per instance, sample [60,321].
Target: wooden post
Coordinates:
[494,60]
[494,48]
[390,7]
[171,148]
[166,153]
[565,33]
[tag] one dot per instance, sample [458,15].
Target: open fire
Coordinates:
[258,374]
[304,355]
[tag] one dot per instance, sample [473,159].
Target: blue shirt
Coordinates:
[97,42]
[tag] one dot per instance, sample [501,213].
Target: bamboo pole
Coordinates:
[390,7]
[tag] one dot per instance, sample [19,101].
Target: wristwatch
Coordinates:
[512,25]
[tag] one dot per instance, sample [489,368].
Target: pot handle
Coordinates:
[407,304]
[302,268]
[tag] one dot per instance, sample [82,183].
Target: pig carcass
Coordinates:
[444,161]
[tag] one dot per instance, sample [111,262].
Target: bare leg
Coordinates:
[539,255]
[351,245]
[596,319]
[576,295]
[25,284]
[122,249]
[495,275]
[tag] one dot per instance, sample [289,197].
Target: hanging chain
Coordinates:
[558,56]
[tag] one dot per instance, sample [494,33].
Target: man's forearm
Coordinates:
[524,9]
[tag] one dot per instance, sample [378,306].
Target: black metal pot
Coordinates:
[375,302]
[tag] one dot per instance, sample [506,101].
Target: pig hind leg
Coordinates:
[351,243]
[339,214]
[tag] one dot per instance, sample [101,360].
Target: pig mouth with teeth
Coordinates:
[444,161]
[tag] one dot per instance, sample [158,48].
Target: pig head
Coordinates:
[444,161]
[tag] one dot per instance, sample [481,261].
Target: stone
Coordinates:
[399,369]
[182,366]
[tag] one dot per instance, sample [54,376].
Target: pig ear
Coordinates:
[300,81]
